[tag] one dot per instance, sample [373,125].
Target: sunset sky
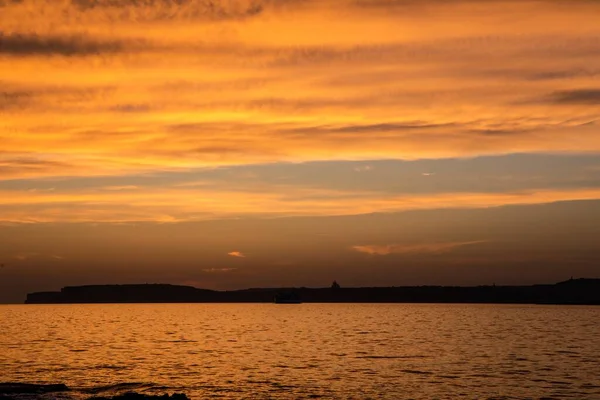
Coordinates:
[248,143]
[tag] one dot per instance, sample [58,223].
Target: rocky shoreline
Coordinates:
[32,391]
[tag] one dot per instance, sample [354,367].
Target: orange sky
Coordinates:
[162,112]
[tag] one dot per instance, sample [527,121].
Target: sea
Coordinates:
[305,351]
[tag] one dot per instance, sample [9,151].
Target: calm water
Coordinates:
[341,351]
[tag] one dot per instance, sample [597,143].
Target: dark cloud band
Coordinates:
[24,45]
[579,96]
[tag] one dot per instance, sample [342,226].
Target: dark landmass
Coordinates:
[573,291]
[16,391]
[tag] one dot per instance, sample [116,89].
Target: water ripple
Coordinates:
[330,351]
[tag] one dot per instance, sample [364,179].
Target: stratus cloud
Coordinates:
[93,88]
[179,205]
[238,254]
[433,248]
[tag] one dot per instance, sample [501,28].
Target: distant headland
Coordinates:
[573,291]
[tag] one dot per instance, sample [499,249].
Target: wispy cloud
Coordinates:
[124,187]
[432,248]
[218,270]
[24,256]
[31,255]
[236,254]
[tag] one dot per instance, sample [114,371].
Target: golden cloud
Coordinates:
[384,250]
[93,88]
[176,205]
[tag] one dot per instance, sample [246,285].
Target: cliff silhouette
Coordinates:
[574,291]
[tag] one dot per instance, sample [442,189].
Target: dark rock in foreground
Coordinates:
[31,388]
[11,391]
[140,396]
